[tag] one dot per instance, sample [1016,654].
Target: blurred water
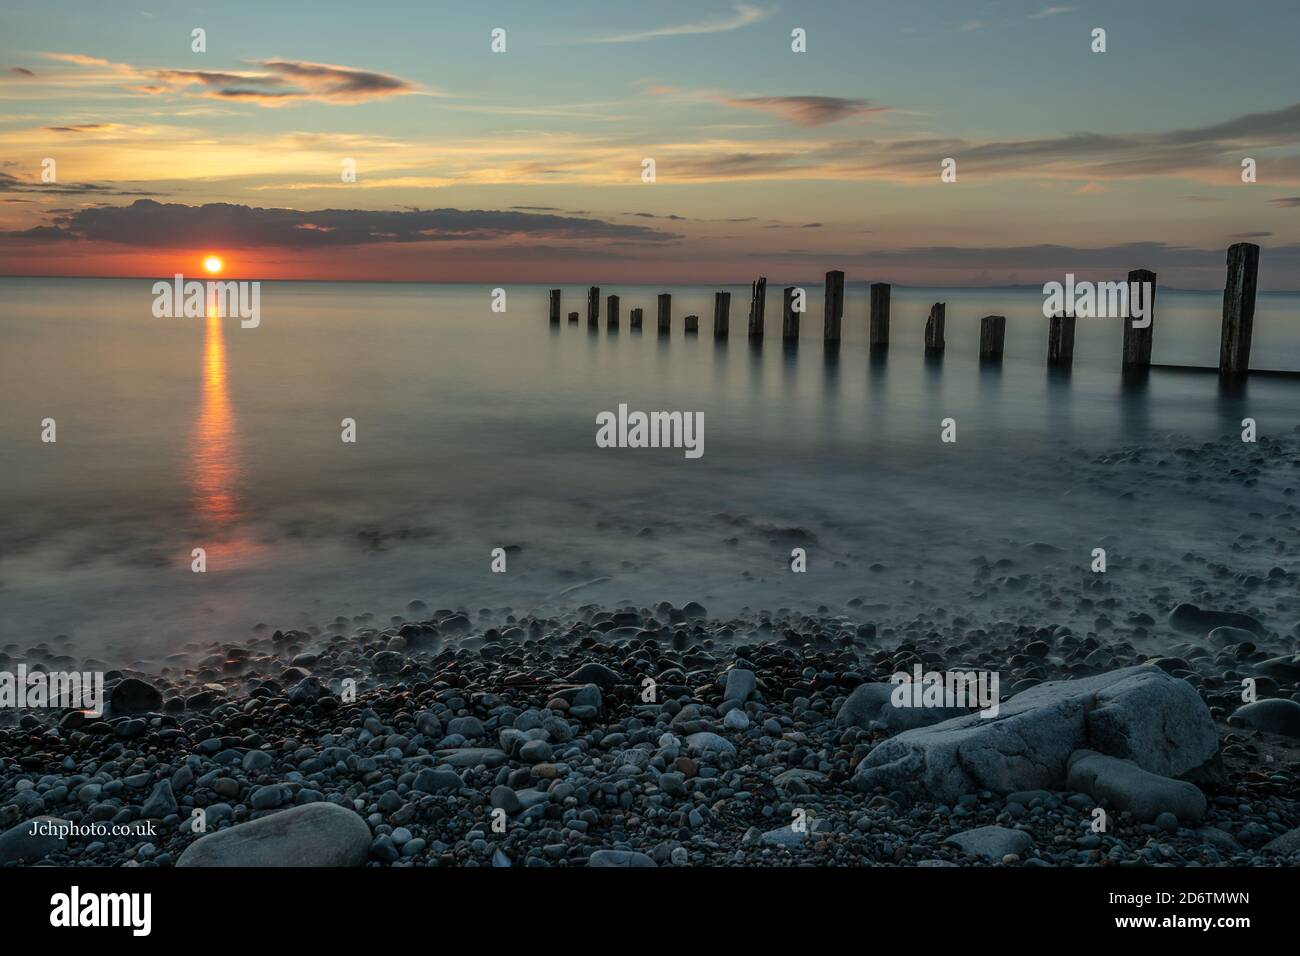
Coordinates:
[476,430]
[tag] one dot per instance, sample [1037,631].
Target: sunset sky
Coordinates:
[525,166]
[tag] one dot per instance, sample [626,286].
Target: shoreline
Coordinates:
[757,721]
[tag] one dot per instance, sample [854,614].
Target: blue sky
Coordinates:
[1055,145]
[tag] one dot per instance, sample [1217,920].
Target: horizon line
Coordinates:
[700,285]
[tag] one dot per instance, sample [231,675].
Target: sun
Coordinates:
[212,264]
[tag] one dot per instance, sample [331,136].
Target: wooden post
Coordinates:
[757,306]
[993,331]
[879,314]
[611,307]
[789,317]
[1238,308]
[593,306]
[1137,341]
[634,318]
[934,339]
[665,313]
[573,318]
[555,307]
[833,313]
[1060,341]
[692,324]
[721,314]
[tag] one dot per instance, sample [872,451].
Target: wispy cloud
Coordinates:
[1050,12]
[150,224]
[744,16]
[274,82]
[10,183]
[808,110]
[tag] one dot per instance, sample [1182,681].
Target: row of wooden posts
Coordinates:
[1234,351]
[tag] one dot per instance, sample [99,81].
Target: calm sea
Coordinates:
[476,430]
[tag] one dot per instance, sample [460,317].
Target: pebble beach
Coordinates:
[596,735]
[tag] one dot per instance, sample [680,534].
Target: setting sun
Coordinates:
[212,264]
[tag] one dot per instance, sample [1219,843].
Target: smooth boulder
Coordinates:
[1138,713]
[314,834]
[992,842]
[619,858]
[19,845]
[1122,785]
[133,696]
[1194,620]
[871,706]
[1276,715]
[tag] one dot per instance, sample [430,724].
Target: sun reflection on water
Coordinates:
[215,462]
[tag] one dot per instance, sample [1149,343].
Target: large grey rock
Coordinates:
[1274,716]
[1194,620]
[790,838]
[1122,785]
[1139,713]
[740,684]
[593,673]
[18,845]
[1226,636]
[619,858]
[871,706]
[471,757]
[1286,844]
[992,843]
[440,780]
[1285,668]
[314,834]
[161,803]
[133,696]
[705,742]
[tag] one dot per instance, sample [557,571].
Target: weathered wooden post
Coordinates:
[593,306]
[555,307]
[833,312]
[757,306]
[634,318]
[1060,341]
[692,324]
[573,318]
[789,317]
[934,339]
[721,314]
[665,313]
[1238,308]
[611,307]
[879,314]
[1137,341]
[993,331]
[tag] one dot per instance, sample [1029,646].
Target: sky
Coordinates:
[529,164]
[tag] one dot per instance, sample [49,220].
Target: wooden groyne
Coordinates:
[1238,319]
[934,337]
[789,317]
[721,314]
[833,312]
[1060,341]
[757,306]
